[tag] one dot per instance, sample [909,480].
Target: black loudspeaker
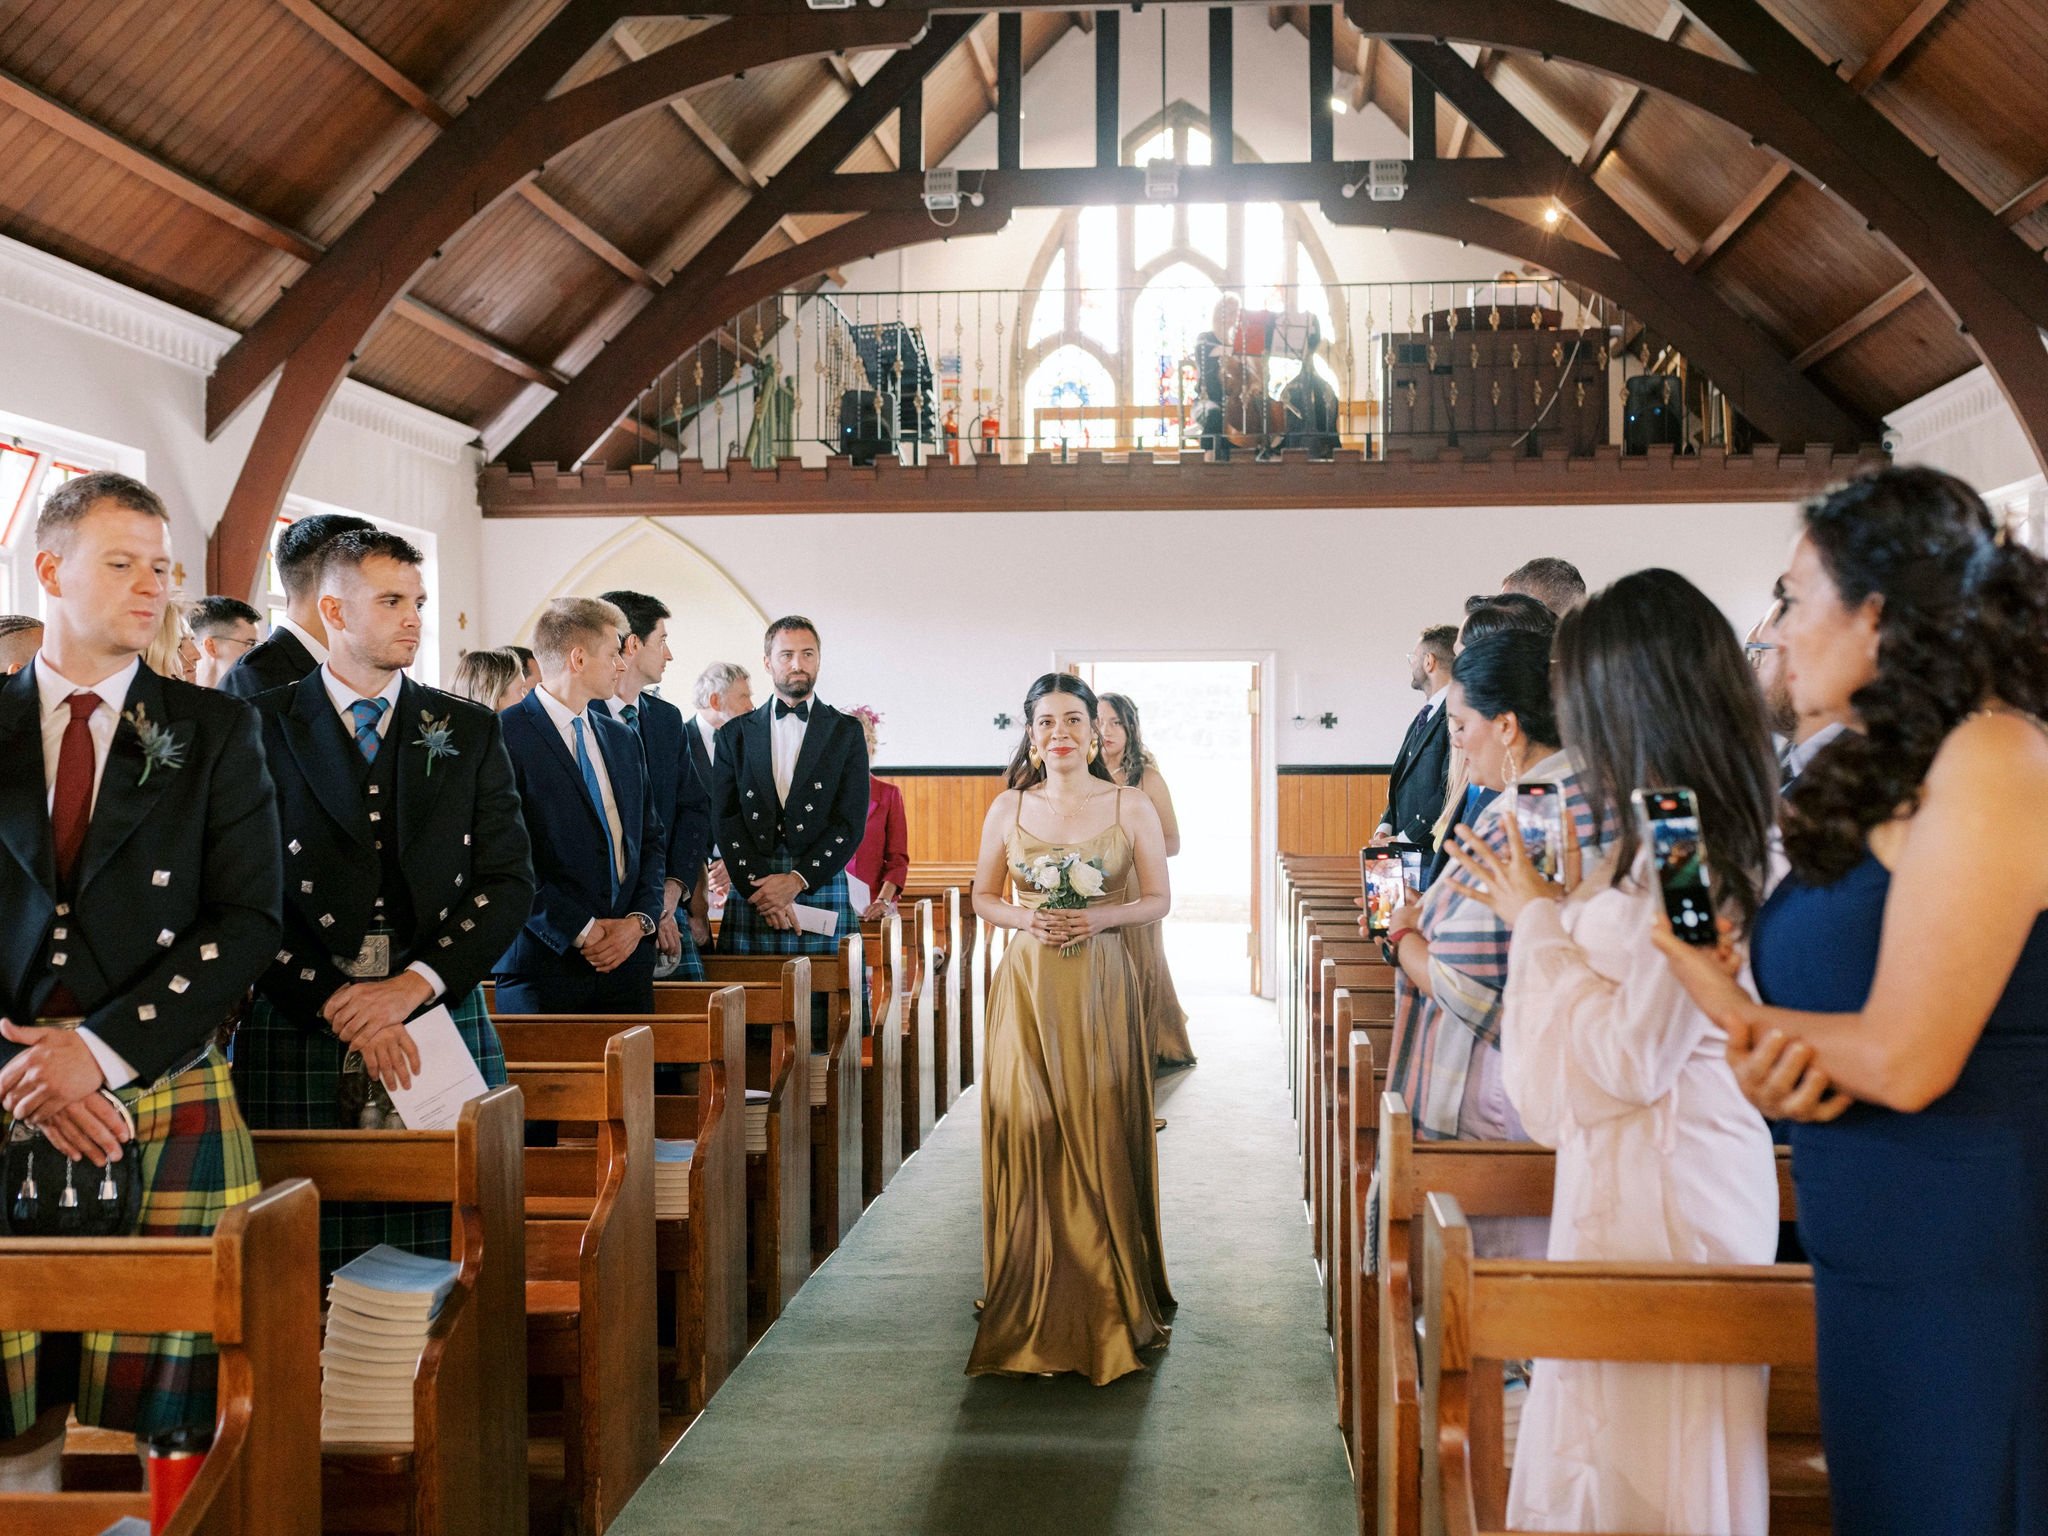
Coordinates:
[1651,413]
[866,426]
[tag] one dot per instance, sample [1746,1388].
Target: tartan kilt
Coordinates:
[287,1078]
[197,1161]
[743,931]
[689,964]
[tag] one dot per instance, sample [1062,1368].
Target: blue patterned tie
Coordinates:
[583,766]
[630,713]
[368,712]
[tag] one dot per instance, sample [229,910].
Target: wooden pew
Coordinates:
[916,1017]
[469,1389]
[953,926]
[590,1308]
[255,1286]
[700,1260]
[1356,967]
[1359,1021]
[881,1066]
[980,949]
[1481,1312]
[1498,1179]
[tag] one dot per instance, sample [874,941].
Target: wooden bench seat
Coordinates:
[978,950]
[469,1389]
[916,1016]
[589,1295]
[254,1285]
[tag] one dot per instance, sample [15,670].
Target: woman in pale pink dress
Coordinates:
[1660,1159]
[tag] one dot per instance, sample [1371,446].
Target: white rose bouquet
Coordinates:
[1067,880]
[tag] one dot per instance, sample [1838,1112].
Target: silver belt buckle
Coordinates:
[372,961]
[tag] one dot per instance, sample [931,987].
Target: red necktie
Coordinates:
[71,809]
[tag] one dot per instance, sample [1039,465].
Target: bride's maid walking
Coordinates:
[1073,1274]
[1129,764]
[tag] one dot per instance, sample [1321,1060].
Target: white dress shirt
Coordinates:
[317,648]
[786,736]
[54,689]
[710,734]
[1799,754]
[342,696]
[564,720]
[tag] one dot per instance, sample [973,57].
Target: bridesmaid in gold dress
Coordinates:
[1124,754]
[1074,1277]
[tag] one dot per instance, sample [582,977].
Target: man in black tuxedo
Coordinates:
[1415,790]
[298,641]
[407,874]
[139,878]
[680,796]
[790,798]
[588,942]
[723,691]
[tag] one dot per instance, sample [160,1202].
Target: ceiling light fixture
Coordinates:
[1552,215]
[1339,105]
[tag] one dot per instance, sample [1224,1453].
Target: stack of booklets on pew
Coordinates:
[821,1070]
[380,1308]
[757,1119]
[672,1178]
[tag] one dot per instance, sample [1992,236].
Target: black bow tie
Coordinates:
[801,711]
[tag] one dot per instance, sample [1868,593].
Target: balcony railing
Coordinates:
[1479,366]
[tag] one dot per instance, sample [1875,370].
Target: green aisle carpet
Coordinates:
[853,1414]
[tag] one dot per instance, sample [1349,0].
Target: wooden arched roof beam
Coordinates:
[584,412]
[1764,386]
[501,142]
[1994,286]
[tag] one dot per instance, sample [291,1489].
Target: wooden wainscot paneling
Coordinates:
[944,808]
[1330,809]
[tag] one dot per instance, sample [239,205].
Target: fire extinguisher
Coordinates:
[952,434]
[991,429]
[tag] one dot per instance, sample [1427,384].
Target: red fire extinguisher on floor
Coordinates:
[951,430]
[991,429]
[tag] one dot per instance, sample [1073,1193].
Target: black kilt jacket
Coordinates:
[827,814]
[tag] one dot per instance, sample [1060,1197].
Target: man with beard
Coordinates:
[1416,788]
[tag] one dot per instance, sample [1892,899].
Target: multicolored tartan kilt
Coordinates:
[287,1079]
[197,1161]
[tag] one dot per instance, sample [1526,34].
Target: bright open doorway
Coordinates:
[1200,721]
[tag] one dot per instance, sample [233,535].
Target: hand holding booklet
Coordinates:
[447,1077]
[822,920]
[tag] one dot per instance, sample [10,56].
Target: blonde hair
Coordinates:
[172,632]
[483,676]
[568,622]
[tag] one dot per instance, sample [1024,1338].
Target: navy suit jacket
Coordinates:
[682,799]
[571,885]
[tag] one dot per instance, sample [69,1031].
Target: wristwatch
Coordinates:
[646,923]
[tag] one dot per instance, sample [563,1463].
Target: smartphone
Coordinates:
[1670,821]
[1539,817]
[1390,874]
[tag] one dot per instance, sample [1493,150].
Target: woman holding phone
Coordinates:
[1659,1157]
[1451,952]
[1903,966]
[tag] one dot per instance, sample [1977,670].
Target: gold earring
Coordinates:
[1514,769]
[1037,762]
[1094,750]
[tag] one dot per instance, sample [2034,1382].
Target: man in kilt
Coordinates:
[790,801]
[406,873]
[140,878]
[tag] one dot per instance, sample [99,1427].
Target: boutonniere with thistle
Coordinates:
[1067,882]
[160,749]
[437,736]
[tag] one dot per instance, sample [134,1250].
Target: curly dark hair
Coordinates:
[1023,773]
[1963,621]
[1652,690]
[1136,759]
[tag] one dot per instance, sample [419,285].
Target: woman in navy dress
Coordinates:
[1904,969]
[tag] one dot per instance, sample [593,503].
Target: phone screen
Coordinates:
[1672,823]
[1539,818]
[1384,870]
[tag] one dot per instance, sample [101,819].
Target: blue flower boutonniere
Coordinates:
[159,748]
[435,736]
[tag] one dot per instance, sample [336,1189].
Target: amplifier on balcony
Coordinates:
[866,425]
[1651,413]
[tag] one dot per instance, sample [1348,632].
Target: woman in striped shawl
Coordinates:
[1450,952]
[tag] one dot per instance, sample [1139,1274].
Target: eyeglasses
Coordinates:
[232,640]
[1753,650]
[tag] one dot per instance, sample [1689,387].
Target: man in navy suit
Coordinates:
[680,796]
[588,944]
[298,641]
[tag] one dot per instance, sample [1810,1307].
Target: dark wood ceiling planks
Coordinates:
[271,106]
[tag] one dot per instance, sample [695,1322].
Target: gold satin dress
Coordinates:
[1073,1272]
[1166,1022]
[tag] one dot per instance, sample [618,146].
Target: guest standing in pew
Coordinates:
[1415,788]
[1073,1269]
[1903,965]
[223,628]
[173,652]
[1451,952]
[1130,764]
[1796,738]
[407,872]
[682,800]
[1554,583]
[140,879]
[588,942]
[21,636]
[298,641]
[493,678]
[1660,1159]
[723,691]
[883,864]
[790,788]
[532,665]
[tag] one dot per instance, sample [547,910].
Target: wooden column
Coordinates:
[1108,67]
[1322,79]
[910,130]
[1421,119]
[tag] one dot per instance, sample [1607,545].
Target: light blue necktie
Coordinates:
[583,766]
[368,712]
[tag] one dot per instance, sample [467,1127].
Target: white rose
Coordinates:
[1086,879]
[1045,874]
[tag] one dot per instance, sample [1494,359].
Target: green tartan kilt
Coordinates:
[197,1161]
[287,1078]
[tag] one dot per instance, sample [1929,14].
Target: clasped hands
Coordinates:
[369,1017]
[54,1085]
[1067,925]
[774,897]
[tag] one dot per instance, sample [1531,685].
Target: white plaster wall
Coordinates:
[942,620]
